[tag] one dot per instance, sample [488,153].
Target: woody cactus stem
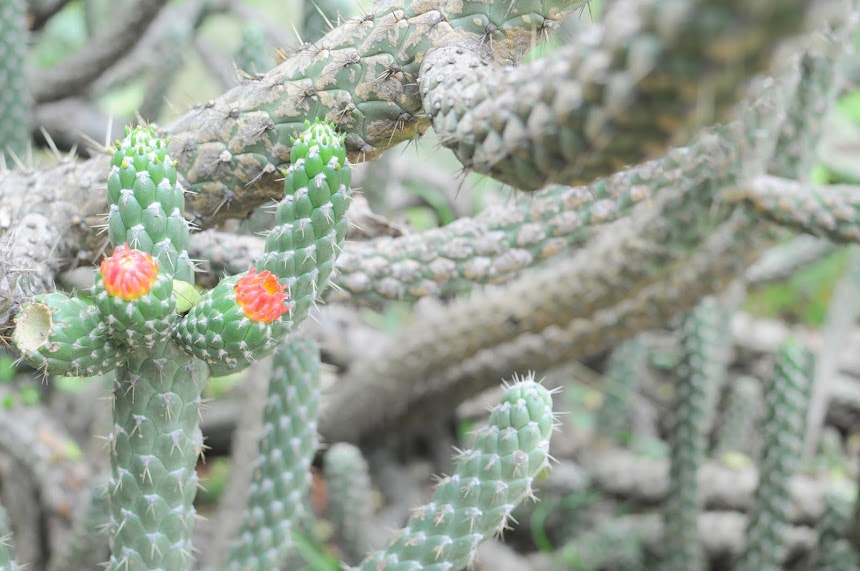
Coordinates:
[491,479]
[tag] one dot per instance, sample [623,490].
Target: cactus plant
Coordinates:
[704,343]
[162,357]
[635,84]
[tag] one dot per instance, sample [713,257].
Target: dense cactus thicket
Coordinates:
[264,276]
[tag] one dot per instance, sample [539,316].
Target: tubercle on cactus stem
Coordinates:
[261,296]
[128,274]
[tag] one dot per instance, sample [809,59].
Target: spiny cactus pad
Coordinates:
[475,503]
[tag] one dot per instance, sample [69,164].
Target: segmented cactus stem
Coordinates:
[702,367]
[786,403]
[286,449]
[476,502]
[622,376]
[15,100]
[349,500]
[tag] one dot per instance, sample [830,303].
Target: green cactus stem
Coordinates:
[786,402]
[623,372]
[349,500]
[476,502]
[834,552]
[254,55]
[300,252]
[704,343]
[15,102]
[740,418]
[282,476]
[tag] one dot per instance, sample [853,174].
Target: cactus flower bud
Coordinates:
[128,274]
[261,296]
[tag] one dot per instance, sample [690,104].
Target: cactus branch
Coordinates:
[613,97]
[832,211]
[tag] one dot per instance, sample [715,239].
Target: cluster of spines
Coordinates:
[476,502]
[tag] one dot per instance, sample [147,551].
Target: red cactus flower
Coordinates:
[129,274]
[261,296]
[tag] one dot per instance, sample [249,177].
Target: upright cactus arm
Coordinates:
[349,499]
[231,326]
[476,502]
[287,446]
[704,340]
[15,98]
[609,99]
[786,401]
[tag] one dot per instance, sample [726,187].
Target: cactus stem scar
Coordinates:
[33,327]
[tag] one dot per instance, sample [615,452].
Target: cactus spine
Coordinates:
[7,560]
[786,401]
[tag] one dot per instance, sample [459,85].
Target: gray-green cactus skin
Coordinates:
[490,480]
[15,103]
[623,372]
[349,500]
[834,552]
[786,403]
[739,418]
[163,356]
[282,477]
[703,363]
[255,55]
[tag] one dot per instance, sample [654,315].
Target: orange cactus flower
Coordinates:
[129,274]
[261,296]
